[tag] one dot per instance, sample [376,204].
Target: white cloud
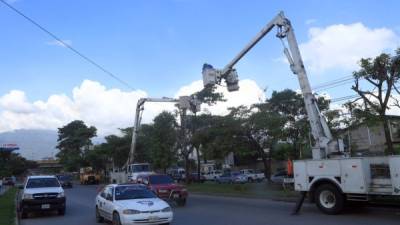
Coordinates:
[249,93]
[62,43]
[107,109]
[342,46]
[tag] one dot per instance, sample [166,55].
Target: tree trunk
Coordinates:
[198,162]
[388,136]
[186,169]
[267,166]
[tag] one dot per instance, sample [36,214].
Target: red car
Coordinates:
[165,187]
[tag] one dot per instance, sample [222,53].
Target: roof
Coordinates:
[127,184]
[42,176]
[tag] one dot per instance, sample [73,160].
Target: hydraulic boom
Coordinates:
[324,146]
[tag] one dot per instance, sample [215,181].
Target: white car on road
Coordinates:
[131,204]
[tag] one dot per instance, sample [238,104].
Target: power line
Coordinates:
[67,45]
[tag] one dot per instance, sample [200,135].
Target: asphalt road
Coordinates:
[207,210]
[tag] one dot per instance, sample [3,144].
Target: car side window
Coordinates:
[103,193]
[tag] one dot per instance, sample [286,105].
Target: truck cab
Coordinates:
[138,169]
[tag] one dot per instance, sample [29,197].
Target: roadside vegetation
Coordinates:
[252,190]
[7,207]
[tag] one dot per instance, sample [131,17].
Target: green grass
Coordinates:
[7,207]
[256,190]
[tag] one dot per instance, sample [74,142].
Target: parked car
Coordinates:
[177,174]
[196,179]
[165,188]
[279,177]
[65,180]
[213,175]
[252,176]
[9,181]
[131,204]
[41,193]
[232,177]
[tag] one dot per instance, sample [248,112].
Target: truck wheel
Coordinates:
[99,218]
[61,212]
[329,199]
[181,202]
[24,215]
[115,219]
[250,180]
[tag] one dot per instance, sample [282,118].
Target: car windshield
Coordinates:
[141,168]
[160,179]
[64,178]
[132,192]
[42,182]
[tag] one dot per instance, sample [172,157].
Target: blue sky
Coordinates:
[159,46]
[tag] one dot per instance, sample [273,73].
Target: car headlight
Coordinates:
[130,211]
[60,195]
[166,209]
[27,196]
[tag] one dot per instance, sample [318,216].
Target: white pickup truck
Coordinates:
[252,176]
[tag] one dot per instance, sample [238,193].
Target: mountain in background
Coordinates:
[33,144]
[36,144]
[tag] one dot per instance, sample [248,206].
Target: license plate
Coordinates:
[152,218]
[176,195]
[46,206]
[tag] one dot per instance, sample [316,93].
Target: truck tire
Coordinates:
[250,180]
[99,218]
[329,199]
[61,212]
[181,202]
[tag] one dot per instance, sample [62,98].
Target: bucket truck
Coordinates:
[132,170]
[331,177]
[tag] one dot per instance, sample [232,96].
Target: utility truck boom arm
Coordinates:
[324,143]
[183,102]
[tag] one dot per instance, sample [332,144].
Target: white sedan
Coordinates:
[131,204]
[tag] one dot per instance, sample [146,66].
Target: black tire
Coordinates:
[99,219]
[23,214]
[329,199]
[250,180]
[61,212]
[115,219]
[181,202]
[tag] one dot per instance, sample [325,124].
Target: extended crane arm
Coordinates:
[183,102]
[324,145]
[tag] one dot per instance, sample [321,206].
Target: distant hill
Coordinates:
[36,144]
[33,144]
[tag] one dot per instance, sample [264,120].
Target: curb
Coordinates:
[277,199]
[17,222]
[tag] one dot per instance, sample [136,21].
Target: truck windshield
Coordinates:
[160,179]
[131,192]
[141,168]
[42,182]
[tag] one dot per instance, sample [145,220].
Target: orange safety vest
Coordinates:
[290,167]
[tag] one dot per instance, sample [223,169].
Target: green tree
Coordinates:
[381,75]
[12,164]
[163,141]
[290,105]
[73,139]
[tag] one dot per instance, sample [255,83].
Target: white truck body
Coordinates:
[358,178]
[132,172]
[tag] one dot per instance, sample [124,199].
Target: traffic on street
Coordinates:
[202,210]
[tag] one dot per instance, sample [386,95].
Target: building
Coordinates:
[364,139]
